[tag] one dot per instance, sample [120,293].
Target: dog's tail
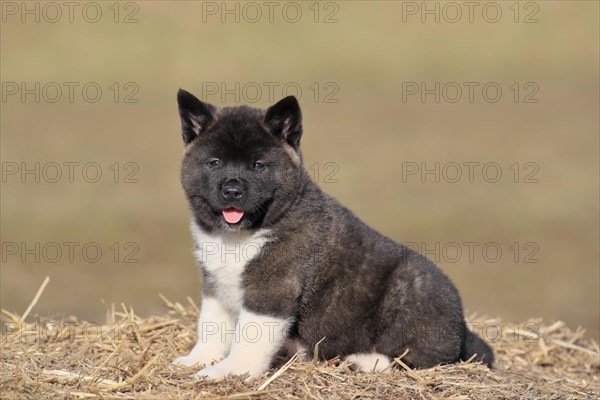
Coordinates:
[474,345]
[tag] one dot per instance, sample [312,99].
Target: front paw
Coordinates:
[215,372]
[227,367]
[186,361]
[196,359]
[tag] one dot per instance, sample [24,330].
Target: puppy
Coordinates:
[285,265]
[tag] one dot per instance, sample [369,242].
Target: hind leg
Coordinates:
[369,362]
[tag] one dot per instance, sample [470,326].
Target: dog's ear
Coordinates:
[284,119]
[195,115]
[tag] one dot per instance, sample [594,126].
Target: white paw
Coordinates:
[224,368]
[369,362]
[186,361]
[215,372]
[196,360]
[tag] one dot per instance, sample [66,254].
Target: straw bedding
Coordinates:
[129,357]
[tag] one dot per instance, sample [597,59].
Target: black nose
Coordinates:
[232,189]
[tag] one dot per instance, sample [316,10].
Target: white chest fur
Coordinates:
[225,256]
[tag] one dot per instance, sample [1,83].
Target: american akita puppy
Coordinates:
[285,265]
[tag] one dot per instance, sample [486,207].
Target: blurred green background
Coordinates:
[359,147]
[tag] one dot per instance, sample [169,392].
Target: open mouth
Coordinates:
[232,215]
[236,218]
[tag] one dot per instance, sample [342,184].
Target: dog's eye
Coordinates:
[259,166]
[215,162]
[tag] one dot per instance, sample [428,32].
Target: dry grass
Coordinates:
[129,358]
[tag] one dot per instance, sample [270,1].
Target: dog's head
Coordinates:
[242,166]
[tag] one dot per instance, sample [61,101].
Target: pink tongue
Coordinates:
[232,215]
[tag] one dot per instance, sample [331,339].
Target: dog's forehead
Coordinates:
[240,131]
[238,122]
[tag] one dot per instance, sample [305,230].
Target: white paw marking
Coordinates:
[225,368]
[257,339]
[215,373]
[195,360]
[186,361]
[369,362]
